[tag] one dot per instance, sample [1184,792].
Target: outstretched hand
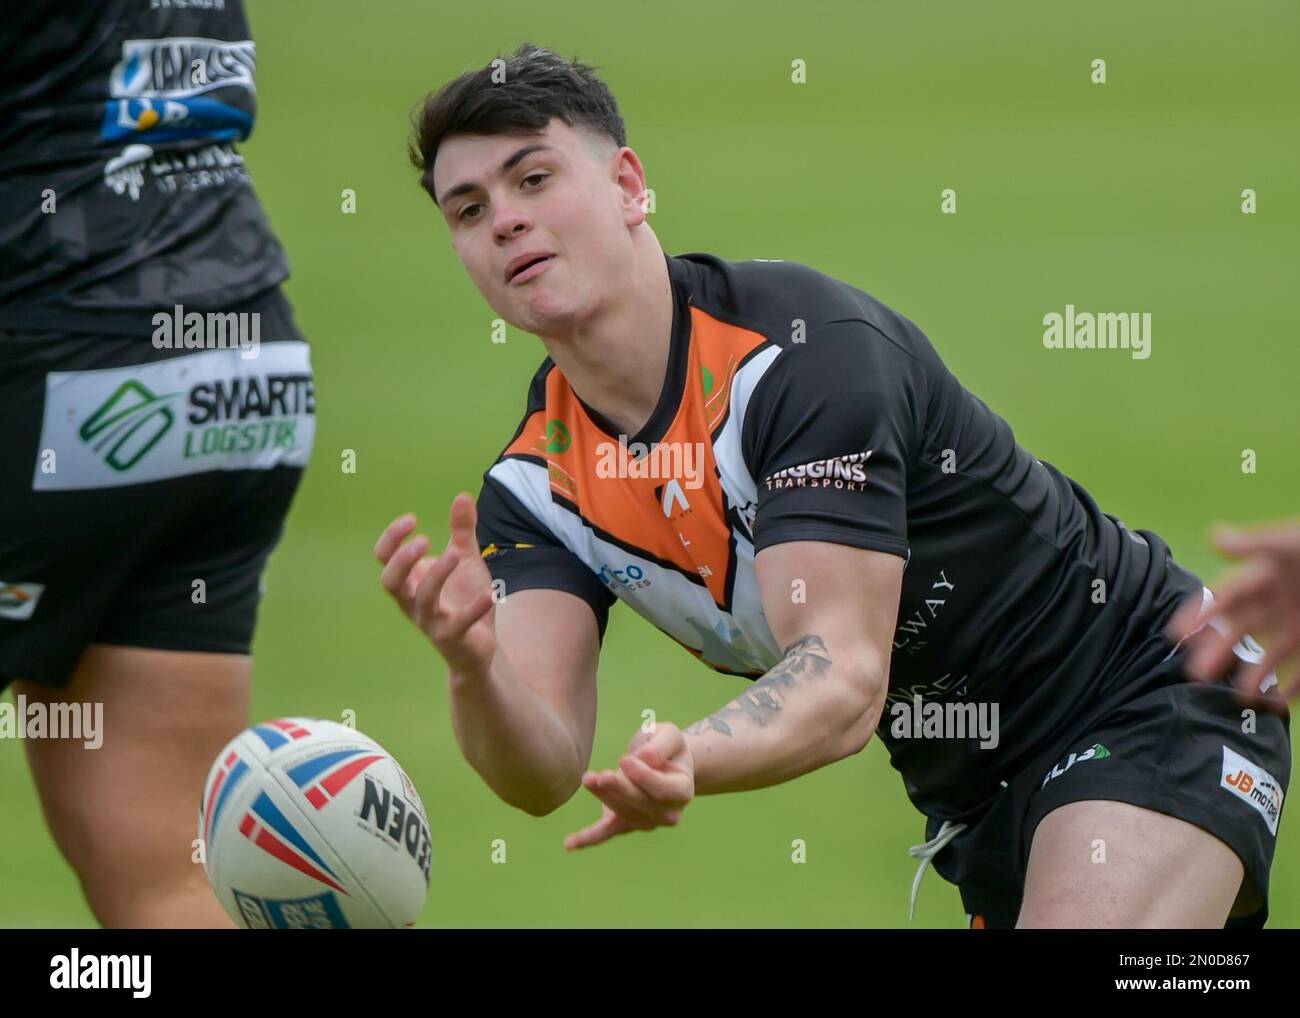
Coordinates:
[654,782]
[449,597]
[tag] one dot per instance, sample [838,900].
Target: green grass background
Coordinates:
[1122,196]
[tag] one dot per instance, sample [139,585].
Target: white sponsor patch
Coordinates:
[178,67]
[838,471]
[1255,785]
[185,415]
[18,600]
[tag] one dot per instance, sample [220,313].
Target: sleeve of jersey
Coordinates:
[827,436]
[523,553]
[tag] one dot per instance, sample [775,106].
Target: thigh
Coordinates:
[1112,864]
[125,812]
[1164,813]
[1177,789]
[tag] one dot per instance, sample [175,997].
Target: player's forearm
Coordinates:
[514,739]
[818,705]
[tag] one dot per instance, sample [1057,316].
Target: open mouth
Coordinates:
[529,266]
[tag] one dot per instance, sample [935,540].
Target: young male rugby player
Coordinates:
[145,473]
[856,531]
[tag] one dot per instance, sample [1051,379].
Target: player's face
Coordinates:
[562,197]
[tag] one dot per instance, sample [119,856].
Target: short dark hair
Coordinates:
[538,84]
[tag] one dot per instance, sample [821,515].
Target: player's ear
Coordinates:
[630,177]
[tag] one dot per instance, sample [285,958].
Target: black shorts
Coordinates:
[143,489]
[1174,746]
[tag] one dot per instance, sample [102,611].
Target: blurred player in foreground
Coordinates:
[779,472]
[156,413]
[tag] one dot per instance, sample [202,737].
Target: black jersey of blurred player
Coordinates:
[121,190]
[815,413]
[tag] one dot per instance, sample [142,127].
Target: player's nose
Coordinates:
[508,221]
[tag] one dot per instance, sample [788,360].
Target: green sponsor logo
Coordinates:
[1096,752]
[129,424]
[558,437]
[232,438]
[707,376]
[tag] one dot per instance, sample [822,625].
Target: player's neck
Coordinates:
[618,363]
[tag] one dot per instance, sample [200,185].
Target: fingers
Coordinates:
[464,519]
[413,580]
[1241,600]
[392,537]
[666,787]
[445,627]
[1231,542]
[1251,677]
[1268,703]
[608,826]
[430,588]
[453,627]
[1250,595]
[1211,655]
[1248,589]
[1213,652]
[394,577]
[616,791]
[640,795]
[1237,543]
[659,749]
[1241,605]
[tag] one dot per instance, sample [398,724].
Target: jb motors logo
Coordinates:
[1254,786]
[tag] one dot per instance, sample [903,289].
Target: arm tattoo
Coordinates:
[806,659]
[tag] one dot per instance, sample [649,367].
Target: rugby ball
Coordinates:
[308,824]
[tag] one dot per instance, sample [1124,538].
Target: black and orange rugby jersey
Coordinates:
[797,407]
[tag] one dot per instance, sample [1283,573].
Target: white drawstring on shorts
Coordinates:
[947,831]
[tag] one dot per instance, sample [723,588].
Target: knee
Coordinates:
[161,900]
[134,870]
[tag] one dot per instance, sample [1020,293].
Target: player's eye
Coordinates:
[462,215]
